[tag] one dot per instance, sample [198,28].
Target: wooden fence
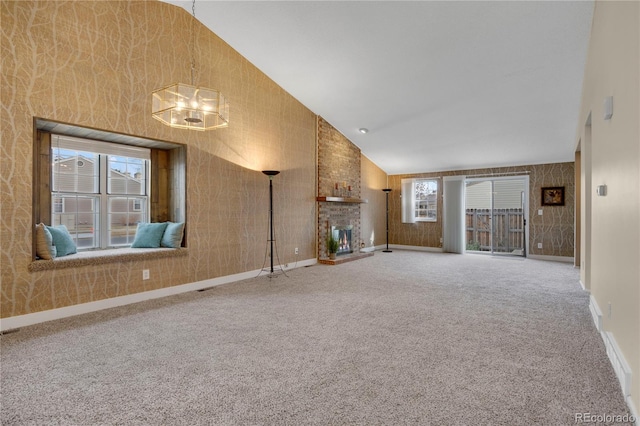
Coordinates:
[508,230]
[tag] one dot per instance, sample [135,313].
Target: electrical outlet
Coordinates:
[145,274]
[539,245]
[296,250]
[540,212]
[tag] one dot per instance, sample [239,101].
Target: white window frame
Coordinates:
[410,201]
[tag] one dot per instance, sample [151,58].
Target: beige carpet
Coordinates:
[397,338]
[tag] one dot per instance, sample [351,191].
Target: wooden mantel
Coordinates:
[342,200]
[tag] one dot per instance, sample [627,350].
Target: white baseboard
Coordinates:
[415,248]
[596,313]
[19,321]
[634,411]
[620,366]
[583,286]
[617,359]
[622,370]
[565,259]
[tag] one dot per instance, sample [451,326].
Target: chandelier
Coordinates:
[188,106]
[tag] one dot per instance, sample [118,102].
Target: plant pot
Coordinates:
[332,256]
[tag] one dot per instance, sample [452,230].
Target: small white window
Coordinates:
[419,200]
[100,190]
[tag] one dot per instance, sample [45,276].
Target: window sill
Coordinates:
[100,257]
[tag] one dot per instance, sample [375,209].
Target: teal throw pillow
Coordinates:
[62,240]
[172,237]
[149,235]
[53,251]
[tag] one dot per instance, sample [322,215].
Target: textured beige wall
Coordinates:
[612,234]
[95,64]
[554,229]
[374,222]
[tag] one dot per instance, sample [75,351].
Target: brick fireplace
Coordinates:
[338,193]
[343,220]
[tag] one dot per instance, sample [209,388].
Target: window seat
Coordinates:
[99,257]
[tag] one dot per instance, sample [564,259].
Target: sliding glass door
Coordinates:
[495,215]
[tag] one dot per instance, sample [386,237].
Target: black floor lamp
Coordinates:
[387,191]
[271,174]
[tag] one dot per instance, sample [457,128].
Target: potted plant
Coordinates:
[332,245]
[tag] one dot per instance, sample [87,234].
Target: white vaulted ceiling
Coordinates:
[441,85]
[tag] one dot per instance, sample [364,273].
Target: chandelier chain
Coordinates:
[193,44]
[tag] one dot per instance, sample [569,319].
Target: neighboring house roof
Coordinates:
[65,180]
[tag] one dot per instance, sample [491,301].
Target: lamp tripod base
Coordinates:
[275,274]
[387,251]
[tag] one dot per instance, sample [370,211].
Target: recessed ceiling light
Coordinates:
[363,130]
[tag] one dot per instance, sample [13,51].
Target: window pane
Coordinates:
[124,215]
[426,196]
[75,171]
[80,215]
[127,175]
